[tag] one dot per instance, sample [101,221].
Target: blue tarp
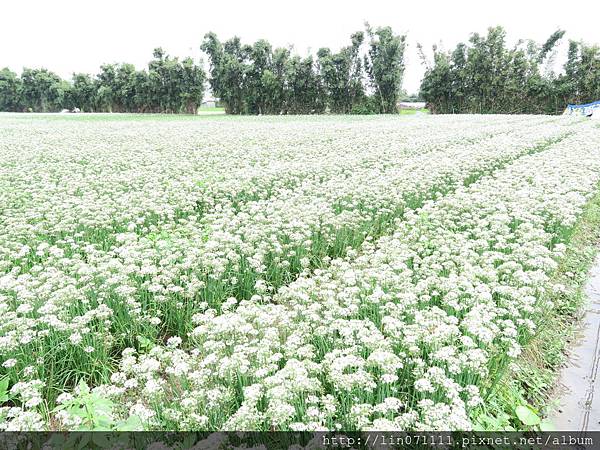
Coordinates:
[587,105]
[585,110]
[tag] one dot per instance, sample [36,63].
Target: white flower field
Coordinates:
[277,273]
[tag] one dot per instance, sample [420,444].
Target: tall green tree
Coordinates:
[486,76]
[228,72]
[192,79]
[342,74]
[107,88]
[259,78]
[83,92]
[581,80]
[42,90]
[10,91]
[385,66]
[305,93]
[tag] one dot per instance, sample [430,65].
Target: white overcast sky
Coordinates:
[68,36]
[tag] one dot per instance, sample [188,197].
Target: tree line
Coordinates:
[258,79]
[168,85]
[248,79]
[485,75]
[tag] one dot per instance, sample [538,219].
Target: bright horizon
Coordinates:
[67,36]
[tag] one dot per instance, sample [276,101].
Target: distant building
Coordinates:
[210,102]
[411,105]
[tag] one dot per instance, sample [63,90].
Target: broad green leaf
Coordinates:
[133,423]
[479,427]
[58,440]
[102,405]
[4,389]
[71,441]
[145,343]
[547,425]
[85,440]
[101,440]
[83,388]
[527,415]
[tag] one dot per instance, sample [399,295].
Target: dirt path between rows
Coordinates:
[579,400]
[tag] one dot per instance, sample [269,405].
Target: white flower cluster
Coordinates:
[282,273]
[23,418]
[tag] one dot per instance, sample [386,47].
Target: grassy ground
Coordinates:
[525,392]
[203,113]
[115,117]
[409,112]
[208,110]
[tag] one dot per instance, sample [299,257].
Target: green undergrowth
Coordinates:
[523,392]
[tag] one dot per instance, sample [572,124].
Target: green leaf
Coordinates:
[76,409]
[101,405]
[4,389]
[58,440]
[145,343]
[479,427]
[71,441]
[189,440]
[527,415]
[83,388]
[85,440]
[101,440]
[133,423]
[547,425]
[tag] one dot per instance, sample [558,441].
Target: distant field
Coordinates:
[281,273]
[203,113]
[414,111]
[209,110]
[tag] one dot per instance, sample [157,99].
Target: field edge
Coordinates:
[529,383]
